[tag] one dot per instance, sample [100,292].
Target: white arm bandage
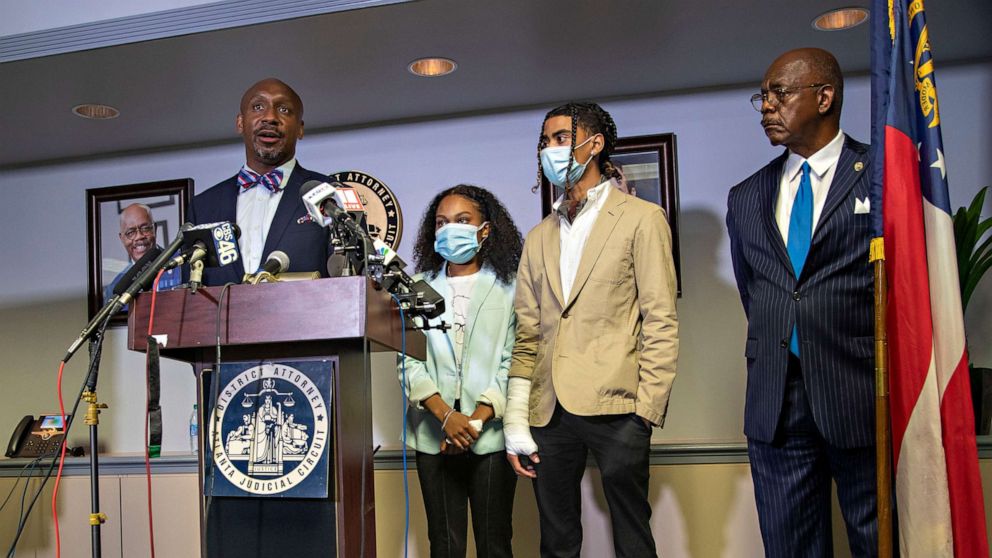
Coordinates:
[516,424]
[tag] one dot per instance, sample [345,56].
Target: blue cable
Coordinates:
[406,484]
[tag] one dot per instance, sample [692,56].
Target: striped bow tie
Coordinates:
[271,180]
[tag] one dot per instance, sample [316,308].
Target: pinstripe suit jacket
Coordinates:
[830,303]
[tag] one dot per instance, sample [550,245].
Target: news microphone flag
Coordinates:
[219,242]
[348,199]
[937,484]
[314,195]
[324,201]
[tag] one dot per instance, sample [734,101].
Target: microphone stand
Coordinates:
[96,518]
[94,331]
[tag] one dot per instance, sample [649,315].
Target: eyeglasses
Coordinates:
[133,231]
[775,97]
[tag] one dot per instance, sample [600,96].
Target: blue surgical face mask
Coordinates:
[457,242]
[554,163]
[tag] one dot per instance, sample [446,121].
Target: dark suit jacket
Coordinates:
[831,302]
[305,242]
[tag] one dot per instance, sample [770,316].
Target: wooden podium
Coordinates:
[343,317]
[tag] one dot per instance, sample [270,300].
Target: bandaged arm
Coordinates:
[516,422]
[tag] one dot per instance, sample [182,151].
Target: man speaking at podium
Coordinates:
[263,198]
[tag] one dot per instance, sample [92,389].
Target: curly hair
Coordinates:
[502,248]
[594,120]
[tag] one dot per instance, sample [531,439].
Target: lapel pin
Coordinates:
[858,166]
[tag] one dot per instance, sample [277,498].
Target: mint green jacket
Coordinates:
[488,345]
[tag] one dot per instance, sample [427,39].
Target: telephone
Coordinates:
[37,437]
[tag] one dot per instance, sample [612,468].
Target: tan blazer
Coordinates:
[611,348]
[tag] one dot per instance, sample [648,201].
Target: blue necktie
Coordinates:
[800,233]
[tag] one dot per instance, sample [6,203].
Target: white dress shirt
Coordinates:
[574,235]
[256,208]
[822,165]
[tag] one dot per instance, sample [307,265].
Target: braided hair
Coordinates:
[501,250]
[594,120]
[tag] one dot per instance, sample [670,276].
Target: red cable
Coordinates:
[151,312]
[58,477]
[148,463]
[148,469]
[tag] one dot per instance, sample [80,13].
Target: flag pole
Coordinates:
[883,434]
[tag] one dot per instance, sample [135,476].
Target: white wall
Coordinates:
[43,285]
[24,16]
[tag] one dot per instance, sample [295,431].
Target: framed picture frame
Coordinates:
[122,223]
[650,168]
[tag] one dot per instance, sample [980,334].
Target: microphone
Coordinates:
[138,267]
[330,202]
[217,242]
[321,201]
[147,275]
[277,262]
[392,265]
[426,300]
[334,203]
[141,279]
[210,245]
[338,266]
[318,198]
[389,256]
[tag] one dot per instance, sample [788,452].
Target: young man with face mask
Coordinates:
[597,338]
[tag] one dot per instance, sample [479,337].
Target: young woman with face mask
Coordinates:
[468,249]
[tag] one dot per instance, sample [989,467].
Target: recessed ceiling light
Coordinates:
[95,112]
[840,19]
[432,67]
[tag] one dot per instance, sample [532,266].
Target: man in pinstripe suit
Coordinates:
[799,235]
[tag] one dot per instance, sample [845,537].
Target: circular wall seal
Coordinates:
[273,429]
[383,214]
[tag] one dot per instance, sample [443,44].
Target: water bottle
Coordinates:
[194,432]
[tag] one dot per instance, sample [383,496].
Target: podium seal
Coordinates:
[273,430]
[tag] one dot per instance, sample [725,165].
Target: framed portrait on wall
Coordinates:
[123,223]
[649,165]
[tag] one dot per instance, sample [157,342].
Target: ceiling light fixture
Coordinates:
[432,67]
[840,19]
[95,112]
